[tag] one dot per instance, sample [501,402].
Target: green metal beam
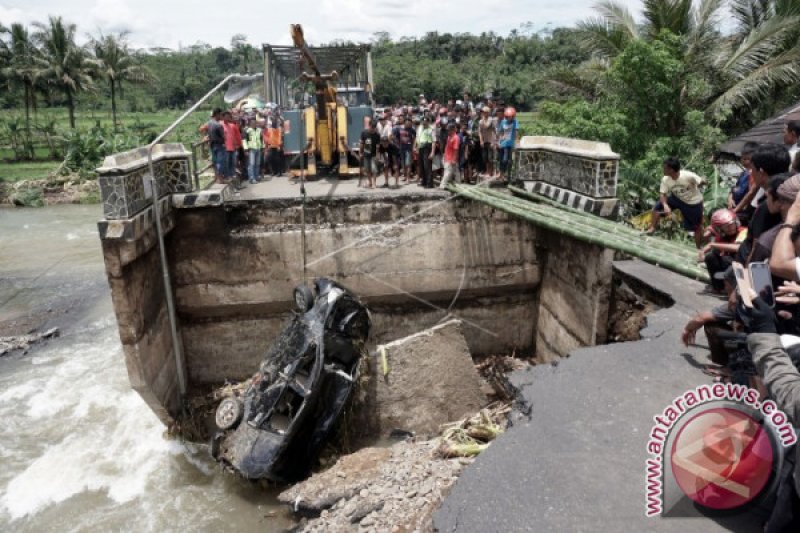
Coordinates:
[592,229]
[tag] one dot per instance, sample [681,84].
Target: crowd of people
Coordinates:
[458,140]
[245,144]
[426,143]
[754,338]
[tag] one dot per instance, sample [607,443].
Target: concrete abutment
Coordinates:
[416,260]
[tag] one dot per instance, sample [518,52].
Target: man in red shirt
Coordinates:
[233,140]
[451,156]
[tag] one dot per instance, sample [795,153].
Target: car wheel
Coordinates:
[229,412]
[303,298]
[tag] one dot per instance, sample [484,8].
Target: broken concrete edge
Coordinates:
[647,281]
[424,333]
[124,162]
[419,383]
[328,201]
[565,145]
[473,503]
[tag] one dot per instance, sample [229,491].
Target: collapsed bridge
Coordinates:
[530,277]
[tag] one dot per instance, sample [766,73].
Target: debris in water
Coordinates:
[23,342]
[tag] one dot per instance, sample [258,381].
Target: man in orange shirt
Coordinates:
[273,140]
[451,156]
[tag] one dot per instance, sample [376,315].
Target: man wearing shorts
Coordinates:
[370,139]
[404,137]
[680,189]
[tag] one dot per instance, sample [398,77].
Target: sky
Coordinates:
[175,23]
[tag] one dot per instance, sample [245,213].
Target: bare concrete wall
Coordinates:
[414,261]
[137,291]
[574,297]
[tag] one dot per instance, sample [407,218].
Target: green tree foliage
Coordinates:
[63,64]
[114,64]
[758,61]
[20,72]
[444,65]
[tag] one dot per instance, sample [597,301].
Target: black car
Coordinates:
[277,429]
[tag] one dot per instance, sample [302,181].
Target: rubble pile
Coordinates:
[377,489]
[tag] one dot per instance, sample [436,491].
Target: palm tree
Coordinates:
[760,57]
[64,64]
[21,69]
[115,64]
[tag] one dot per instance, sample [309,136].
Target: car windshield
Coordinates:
[352,97]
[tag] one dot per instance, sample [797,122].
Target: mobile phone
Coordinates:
[761,280]
[743,283]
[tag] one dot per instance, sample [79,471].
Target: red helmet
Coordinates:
[722,217]
[510,112]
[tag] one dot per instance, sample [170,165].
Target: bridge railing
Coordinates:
[578,173]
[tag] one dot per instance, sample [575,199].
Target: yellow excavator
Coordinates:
[332,128]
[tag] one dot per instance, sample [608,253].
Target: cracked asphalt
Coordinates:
[578,462]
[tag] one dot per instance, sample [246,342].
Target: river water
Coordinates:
[80,451]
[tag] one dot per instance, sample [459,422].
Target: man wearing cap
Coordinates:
[451,149]
[506,139]
[680,189]
[423,144]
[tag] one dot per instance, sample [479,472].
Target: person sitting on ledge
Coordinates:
[680,189]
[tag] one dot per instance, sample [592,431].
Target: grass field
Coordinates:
[140,125]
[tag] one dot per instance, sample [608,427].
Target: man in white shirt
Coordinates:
[680,189]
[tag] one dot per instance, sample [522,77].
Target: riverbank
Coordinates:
[54,190]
